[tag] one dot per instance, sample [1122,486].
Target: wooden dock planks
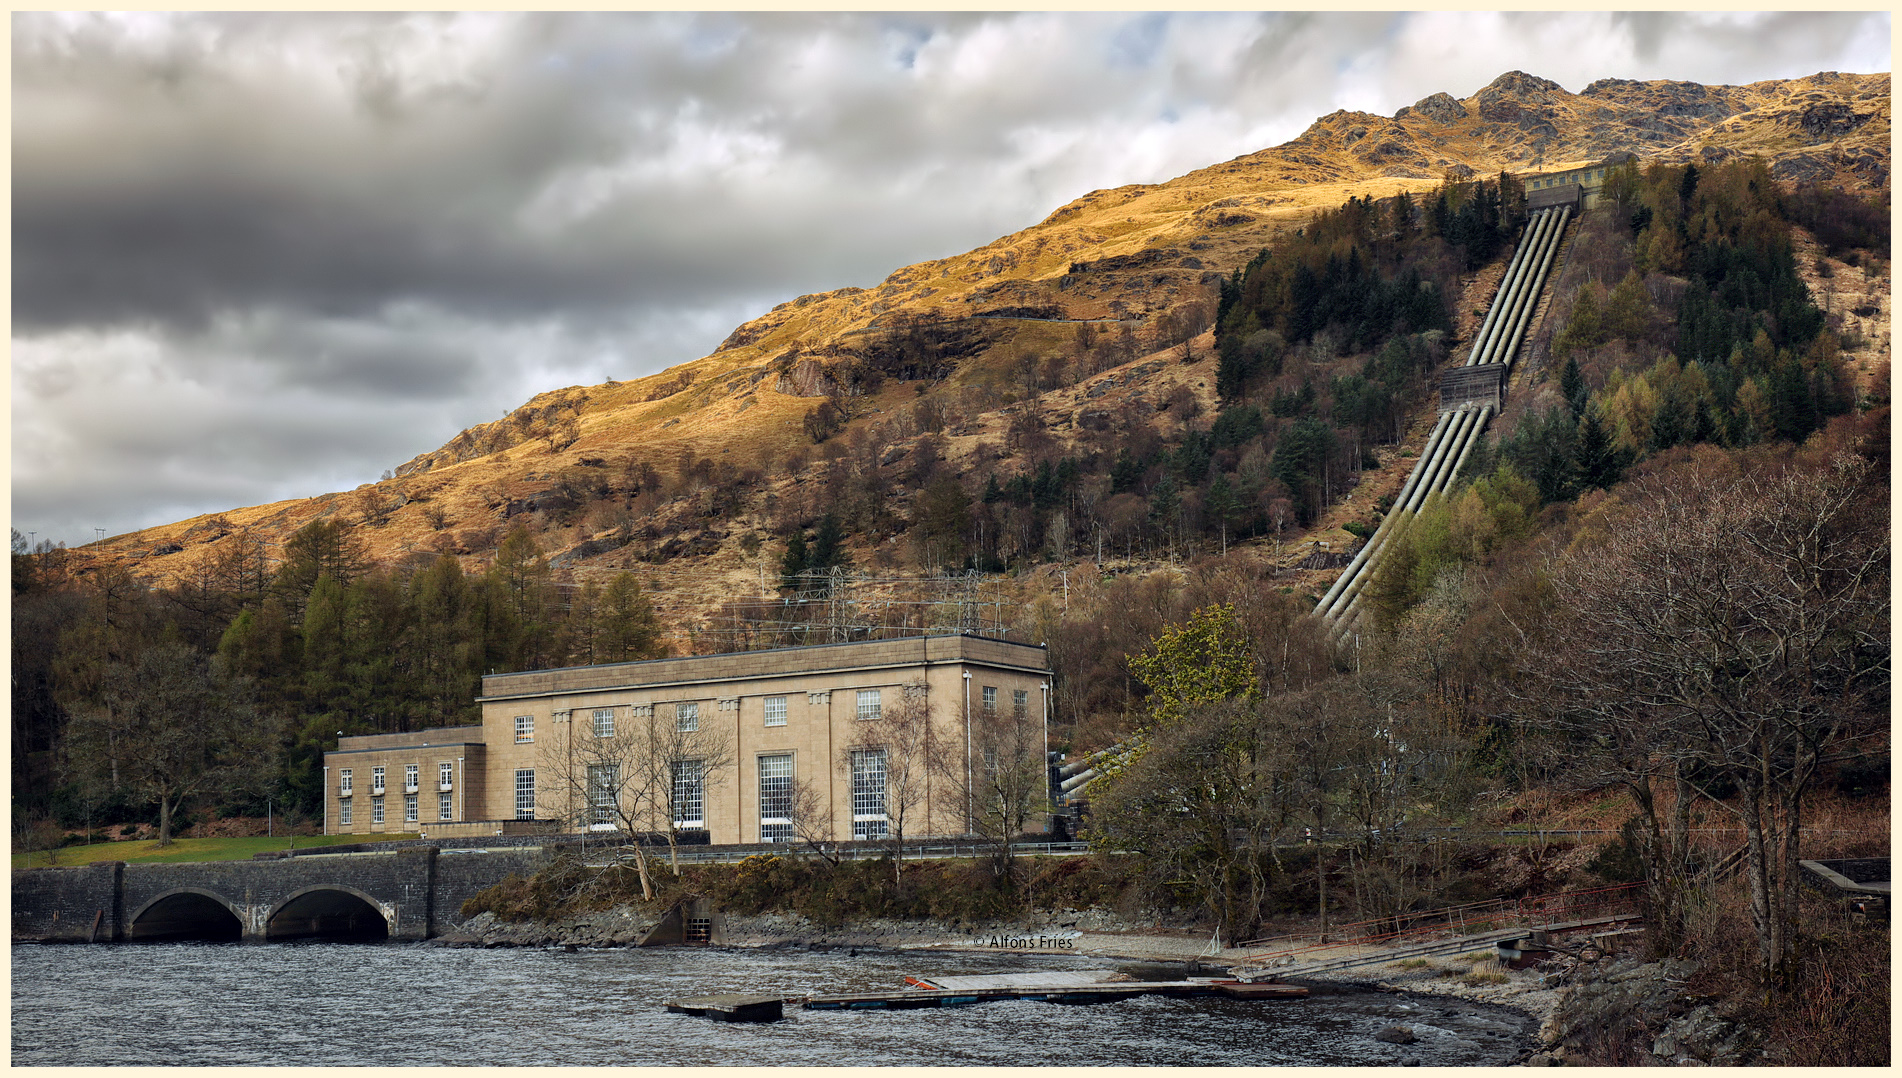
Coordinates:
[1074,987]
[1100,992]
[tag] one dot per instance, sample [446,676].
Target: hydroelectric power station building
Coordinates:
[790,722]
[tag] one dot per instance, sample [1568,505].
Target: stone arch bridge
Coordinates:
[406,894]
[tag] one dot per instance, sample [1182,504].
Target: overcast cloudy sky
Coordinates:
[269,256]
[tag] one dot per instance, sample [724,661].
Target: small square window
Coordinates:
[604,722]
[686,716]
[524,729]
[775,711]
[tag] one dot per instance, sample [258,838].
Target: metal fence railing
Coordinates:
[1464,920]
[841,851]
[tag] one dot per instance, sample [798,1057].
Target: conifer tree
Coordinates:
[1668,423]
[794,562]
[1597,462]
[629,630]
[828,546]
[1572,386]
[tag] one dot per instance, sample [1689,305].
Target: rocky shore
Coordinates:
[1619,1007]
[1621,1010]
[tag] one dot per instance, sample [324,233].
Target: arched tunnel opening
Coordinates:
[332,915]
[187,916]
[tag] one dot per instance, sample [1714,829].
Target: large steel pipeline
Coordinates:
[1443,431]
[1542,233]
[1492,309]
[1089,760]
[1413,478]
[1451,443]
[1490,331]
[1545,266]
[1522,303]
[1472,421]
[1464,429]
[1484,414]
[1402,512]
[1523,257]
[1076,775]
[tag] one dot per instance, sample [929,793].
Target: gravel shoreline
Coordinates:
[1073,933]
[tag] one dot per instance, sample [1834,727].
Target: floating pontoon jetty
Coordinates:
[1055,986]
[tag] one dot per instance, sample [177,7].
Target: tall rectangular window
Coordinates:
[343,782]
[525,793]
[604,722]
[410,773]
[343,814]
[524,729]
[376,780]
[445,806]
[604,791]
[690,793]
[775,798]
[775,711]
[868,793]
[686,716]
[376,810]
[445,775]
[409,808]
[990,698]
[869,706]
[1020,702]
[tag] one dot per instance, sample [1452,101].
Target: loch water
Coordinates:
[395,1004]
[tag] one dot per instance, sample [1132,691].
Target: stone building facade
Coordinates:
[751,732]
[1581,185]
[420,781]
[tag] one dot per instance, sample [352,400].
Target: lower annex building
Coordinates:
[783,725]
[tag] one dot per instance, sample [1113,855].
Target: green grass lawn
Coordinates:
[185,849]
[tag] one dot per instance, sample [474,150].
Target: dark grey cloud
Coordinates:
[276,254]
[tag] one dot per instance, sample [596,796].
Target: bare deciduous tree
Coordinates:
[1009,783]
[641,774]
[889,763]
[812,821]
[171,725]
[1732,625]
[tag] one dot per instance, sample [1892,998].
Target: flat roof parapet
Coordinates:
[441,735]
[772,662]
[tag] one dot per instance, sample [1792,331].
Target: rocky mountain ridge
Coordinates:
[1139,261]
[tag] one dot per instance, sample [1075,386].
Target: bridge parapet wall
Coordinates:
[417,892]
[460,875]
[61,905]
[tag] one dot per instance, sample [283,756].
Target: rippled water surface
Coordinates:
[413,1004]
